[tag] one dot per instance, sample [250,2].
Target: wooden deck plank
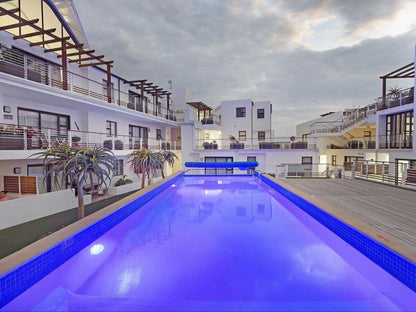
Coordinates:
[389,210]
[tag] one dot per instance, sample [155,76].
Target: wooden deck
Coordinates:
[386,213]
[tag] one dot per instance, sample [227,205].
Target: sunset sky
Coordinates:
[307,57]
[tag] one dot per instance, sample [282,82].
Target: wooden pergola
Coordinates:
[67,49]
[149,88]
[201,107]
[407,71]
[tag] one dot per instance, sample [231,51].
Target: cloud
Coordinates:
[222,50]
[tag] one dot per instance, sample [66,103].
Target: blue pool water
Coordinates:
[218,243]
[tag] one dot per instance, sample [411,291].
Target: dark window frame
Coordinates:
[260,113]
[109,128]
[242,135]
[240,112]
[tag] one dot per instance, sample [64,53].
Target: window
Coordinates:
[251,158]
[118,168]
[135,134]
[240,112]
[367,134]
[260,113]
[261,135]
[111,128]
[399,130]
[334,160]
[306,160]
[242,135]
[159,134]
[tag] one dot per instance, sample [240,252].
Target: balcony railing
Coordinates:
[402,97]
[213,119]
[27,138]
[30,68]
[254,143]
[399,141]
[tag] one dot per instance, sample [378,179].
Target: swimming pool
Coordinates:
[218,243]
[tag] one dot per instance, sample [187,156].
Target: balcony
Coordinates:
[37,70]
[395,99]
[399,141]
[27,138]
[254,144]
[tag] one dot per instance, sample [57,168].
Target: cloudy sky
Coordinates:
[308,57]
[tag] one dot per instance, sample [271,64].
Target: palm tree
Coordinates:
[145,162]
[395,92]
[167,157]
[76,165]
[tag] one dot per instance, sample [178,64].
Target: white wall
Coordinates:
[17,211]
[230,124]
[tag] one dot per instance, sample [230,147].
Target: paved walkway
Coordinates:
[388,213]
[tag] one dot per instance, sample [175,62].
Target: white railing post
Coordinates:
[25,66]
[353,170]
[404,175]
[160,144]
[382,171]
[24,139]
[366,170]
[141,143]
[70,137]
[48,136]
[286,169]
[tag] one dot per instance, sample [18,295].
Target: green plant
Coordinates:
[395,92]
[168,157]
[69,165]
[122,181]
[145,162]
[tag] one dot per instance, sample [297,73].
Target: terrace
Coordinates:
[28,67]
[13,137]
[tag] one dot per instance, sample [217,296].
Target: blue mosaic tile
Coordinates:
[16,281]
[397,265]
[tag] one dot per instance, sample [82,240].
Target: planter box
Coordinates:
[13,142]
[210,145]
[116,190]
[236,145]
[299,145]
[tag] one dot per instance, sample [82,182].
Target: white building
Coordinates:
[55,88]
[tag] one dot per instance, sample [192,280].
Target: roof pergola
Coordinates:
[65,45]
[149,88]
[201,107]
[407,71]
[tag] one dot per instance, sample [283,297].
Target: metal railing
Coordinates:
[13,137]
[41,71]
[313,170]
[399,98]
[254,143]
[395,173]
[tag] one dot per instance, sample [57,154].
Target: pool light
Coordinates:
[96,249]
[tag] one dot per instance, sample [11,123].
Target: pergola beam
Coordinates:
[86,59]
[12,11]
[55,40]
[78,53]
[36,33]
[96,64]
[20,24]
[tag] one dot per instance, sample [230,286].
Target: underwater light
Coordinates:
[96,249]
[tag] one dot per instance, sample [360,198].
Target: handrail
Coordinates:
[18,64]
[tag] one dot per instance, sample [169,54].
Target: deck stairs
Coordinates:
[351,119]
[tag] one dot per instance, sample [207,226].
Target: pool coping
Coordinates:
[66,240]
